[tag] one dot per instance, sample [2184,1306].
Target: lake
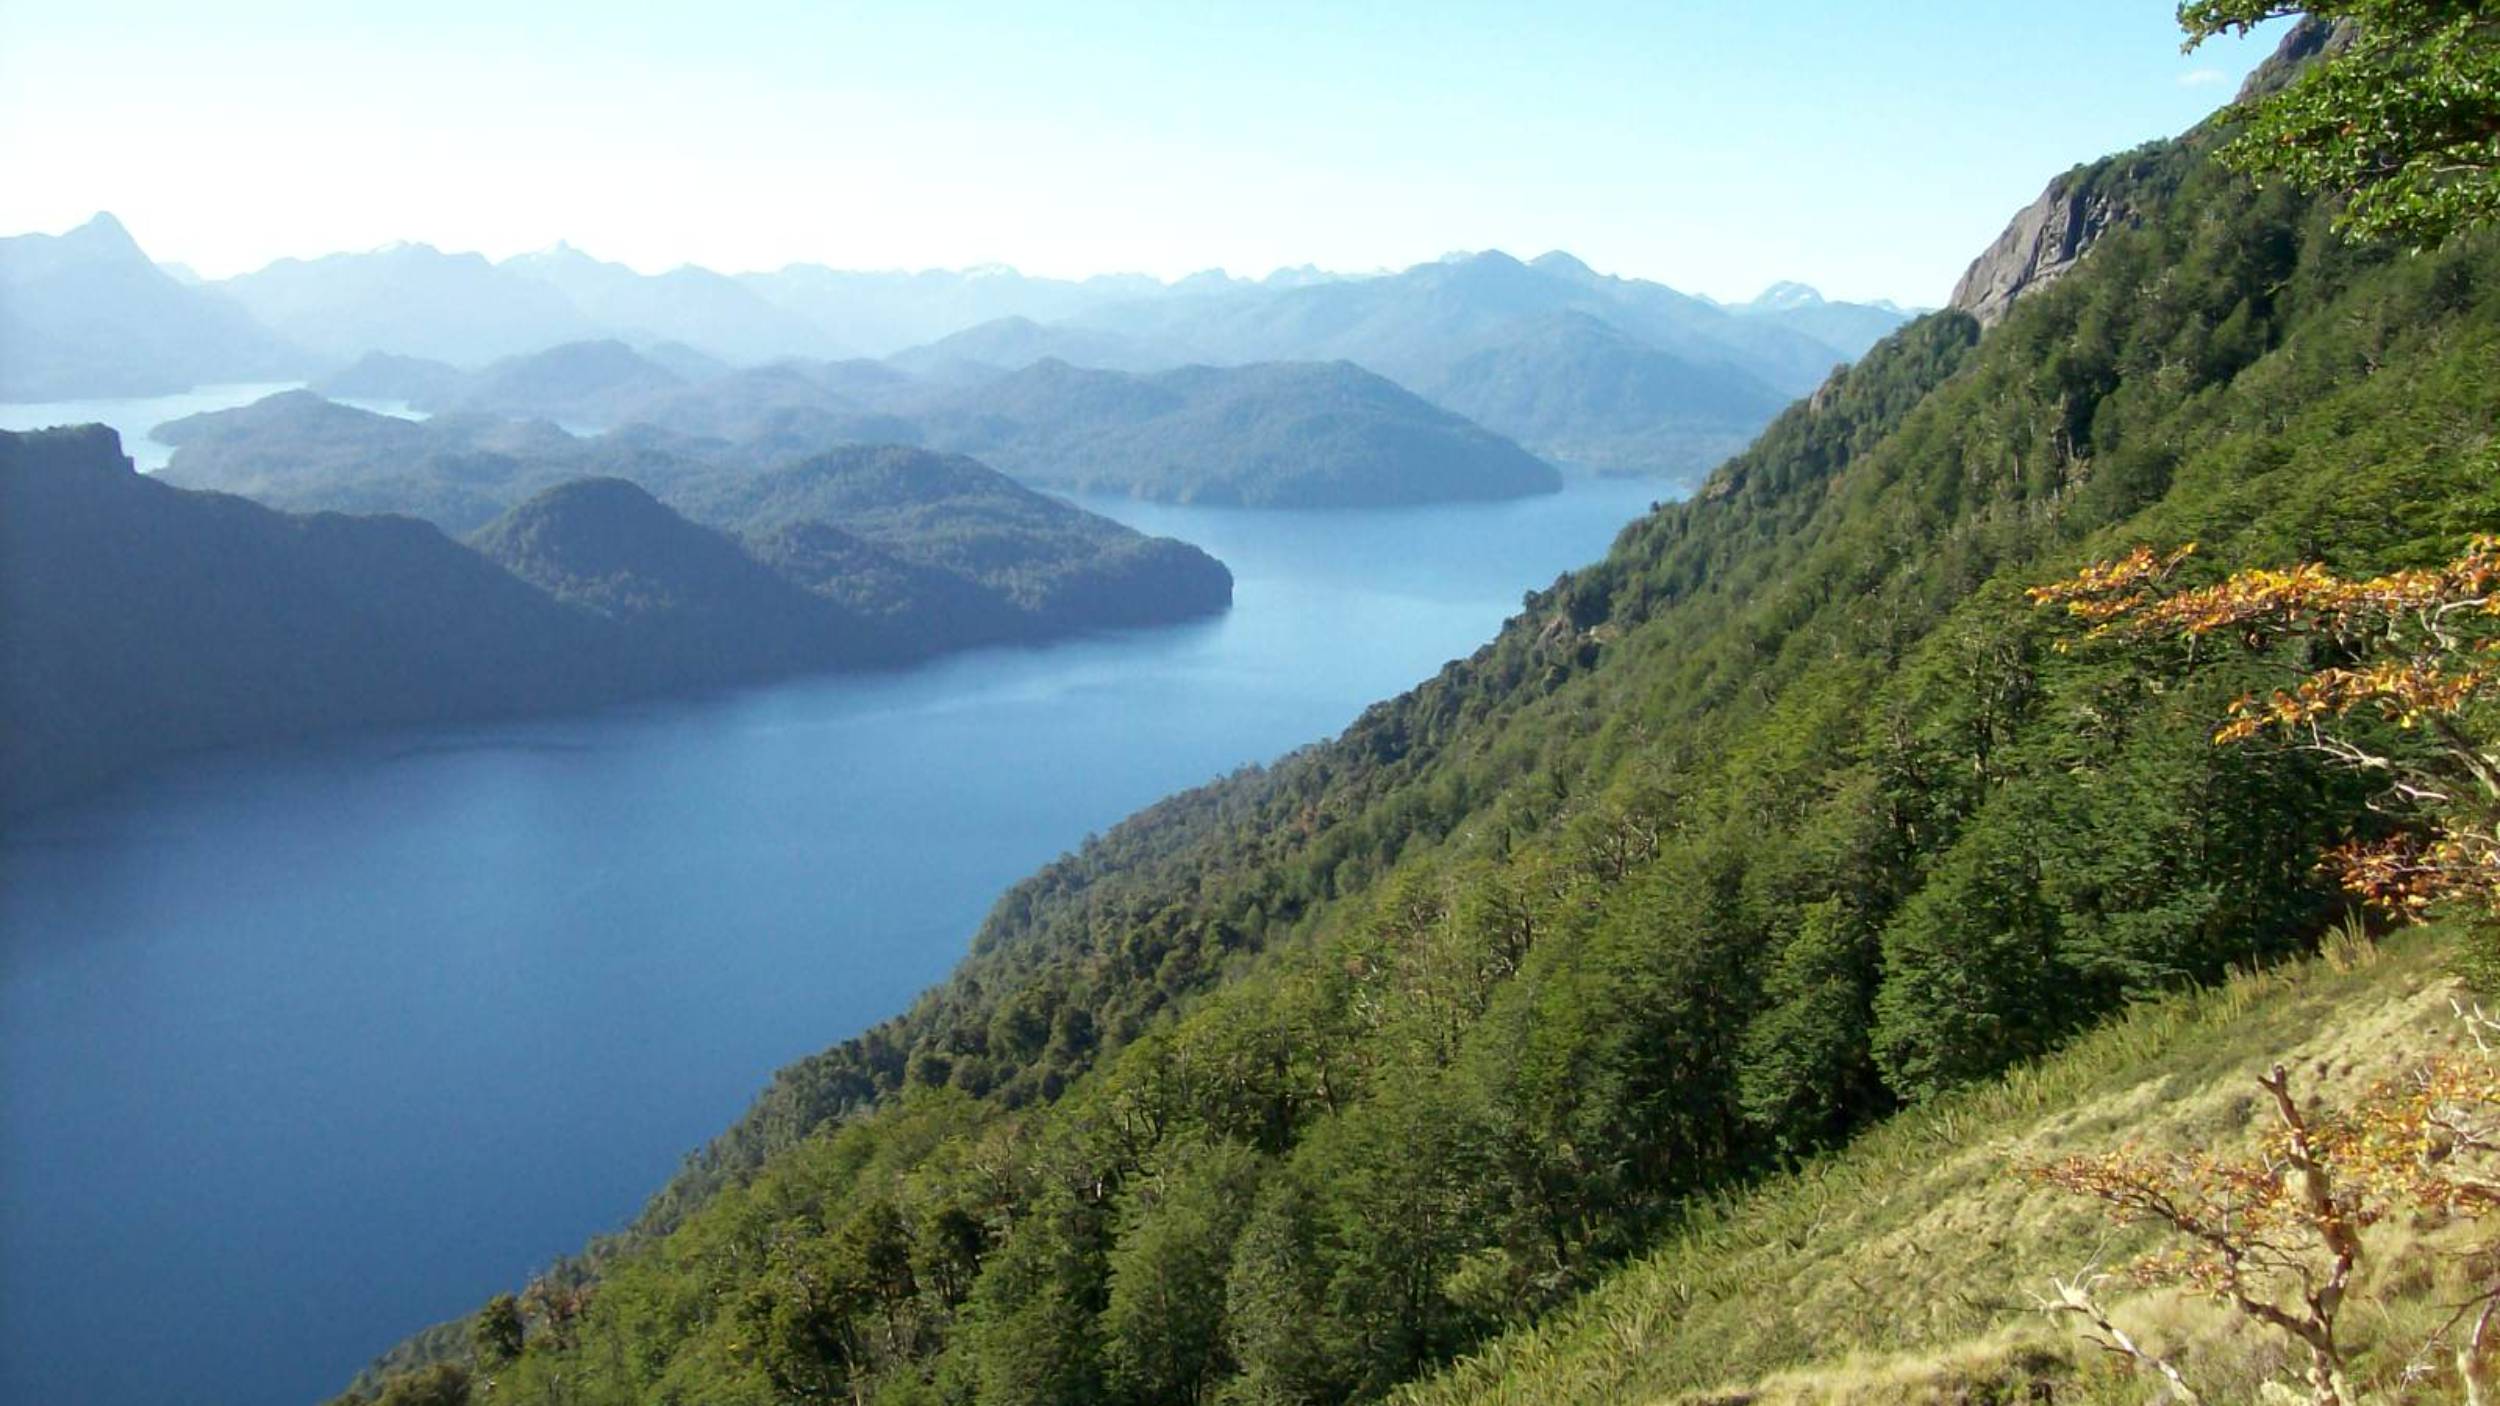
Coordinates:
[137,416]
[302,1049]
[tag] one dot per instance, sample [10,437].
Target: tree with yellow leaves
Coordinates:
[2418,649]
[2279,1236]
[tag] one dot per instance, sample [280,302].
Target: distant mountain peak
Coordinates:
[563,251]
[1558,262]
[1300,276]
[103,224]
[1789,294]
[101,237]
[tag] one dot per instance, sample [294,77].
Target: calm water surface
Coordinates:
[303,1049]
[138,416]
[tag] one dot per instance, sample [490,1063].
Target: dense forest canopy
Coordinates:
[1787,814]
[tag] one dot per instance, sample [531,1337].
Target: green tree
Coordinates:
[1164,1329]
[1033,1312]
[2401,117]
[1805,1076]
[495,1334]
[1290,1348]
[443,1384]
[1972,980]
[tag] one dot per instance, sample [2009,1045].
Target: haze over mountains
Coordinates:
[85,314]
[1276,435]
[1675,381]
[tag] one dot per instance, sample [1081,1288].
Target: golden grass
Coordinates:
[1906,1267]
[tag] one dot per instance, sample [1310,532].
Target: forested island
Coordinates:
[139,620]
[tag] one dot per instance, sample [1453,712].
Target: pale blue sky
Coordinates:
[1870,148]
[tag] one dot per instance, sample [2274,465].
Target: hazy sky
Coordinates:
[1870,148]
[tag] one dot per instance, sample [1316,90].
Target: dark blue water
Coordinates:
[302,1050]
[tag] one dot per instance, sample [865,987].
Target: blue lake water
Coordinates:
[138,416]
[303,1049]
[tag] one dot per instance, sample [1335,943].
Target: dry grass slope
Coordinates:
[1908,1267]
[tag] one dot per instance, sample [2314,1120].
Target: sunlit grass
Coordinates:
[1905,1268]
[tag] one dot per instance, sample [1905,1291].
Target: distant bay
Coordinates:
[137,416]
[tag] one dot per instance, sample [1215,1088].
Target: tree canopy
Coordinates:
[2401,118]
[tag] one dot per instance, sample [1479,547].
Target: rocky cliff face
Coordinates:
[2047,238]
[2054,232]
[2306,40]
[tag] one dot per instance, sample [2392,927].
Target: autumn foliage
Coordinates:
[2278,1235]
[2417,653]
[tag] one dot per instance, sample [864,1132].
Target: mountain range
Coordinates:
[1679,380]
[1270,435]
[84,314]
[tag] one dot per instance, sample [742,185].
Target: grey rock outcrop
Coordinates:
[2053,233]
[2048,237]
[2305,40]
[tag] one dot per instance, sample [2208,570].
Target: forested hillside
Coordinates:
[1789,813]
[1912,1267]
[140,620]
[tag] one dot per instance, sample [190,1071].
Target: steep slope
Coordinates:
[1784,816]
[86,314]
[2046,240]
[1905,1269]
[138,621]
[1277,435]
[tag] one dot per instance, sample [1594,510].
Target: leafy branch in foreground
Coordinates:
[2279,1236]
[2403,122]
[2416,649]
